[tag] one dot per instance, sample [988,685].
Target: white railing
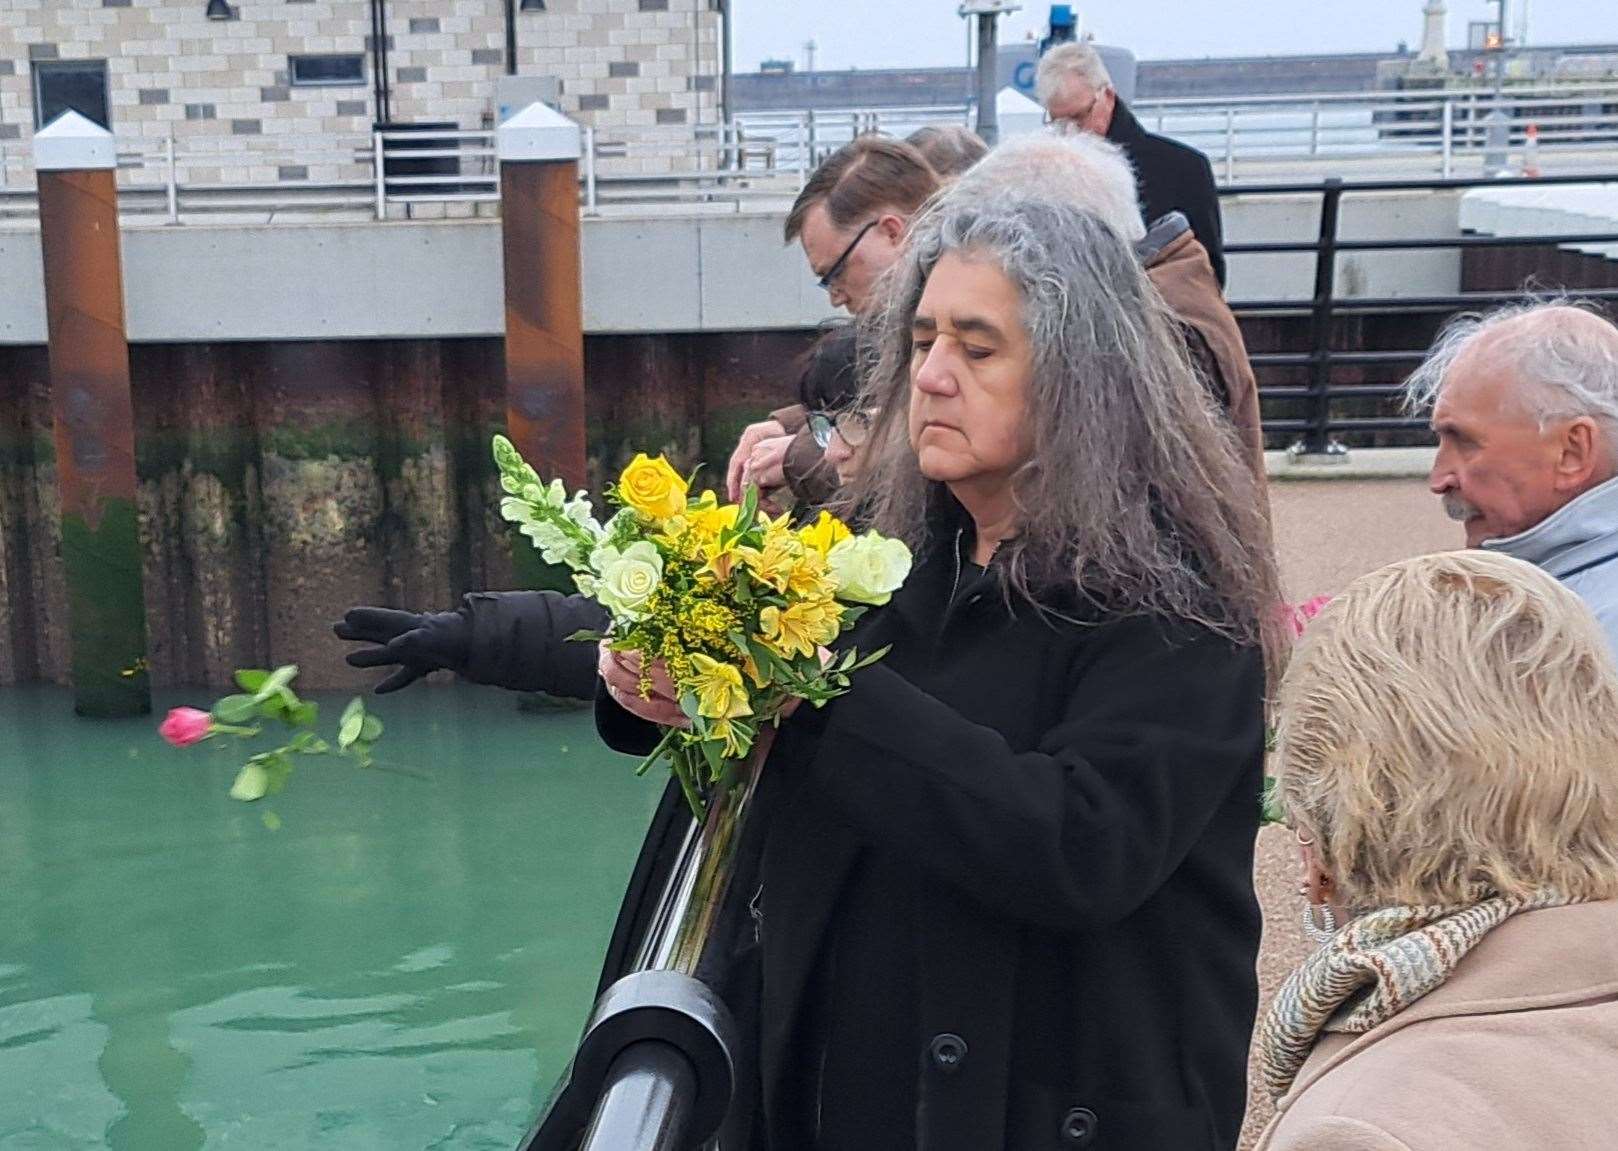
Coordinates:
[767,155]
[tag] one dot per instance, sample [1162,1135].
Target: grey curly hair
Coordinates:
[1135,494]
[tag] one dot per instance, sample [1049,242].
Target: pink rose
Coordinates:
[1298,615]
[185,726]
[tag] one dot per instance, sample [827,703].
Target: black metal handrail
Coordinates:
[1316,428]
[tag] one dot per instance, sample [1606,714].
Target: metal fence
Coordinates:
[1328,410]
[759,156]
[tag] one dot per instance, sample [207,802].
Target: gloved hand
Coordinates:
[418,643]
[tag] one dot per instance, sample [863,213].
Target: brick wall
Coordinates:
[223,87]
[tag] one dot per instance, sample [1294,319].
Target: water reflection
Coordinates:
[404,964]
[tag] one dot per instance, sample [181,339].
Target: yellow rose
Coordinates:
[825,533]
[652,488]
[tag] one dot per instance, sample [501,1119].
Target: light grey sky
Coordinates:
[916,33]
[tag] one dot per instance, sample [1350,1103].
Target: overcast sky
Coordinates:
[900,33]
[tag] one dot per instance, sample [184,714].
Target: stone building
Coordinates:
[288,89]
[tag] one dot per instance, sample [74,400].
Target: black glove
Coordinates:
[417,643]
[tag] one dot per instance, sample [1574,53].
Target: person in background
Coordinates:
[850,219]
[1076,90]
[1446,740]
[950,148]
[1094,174]
[1006,880]
[1525,405]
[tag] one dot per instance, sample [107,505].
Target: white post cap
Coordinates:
[538,132]
[72,143]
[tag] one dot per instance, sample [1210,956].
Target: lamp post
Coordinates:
[986,12]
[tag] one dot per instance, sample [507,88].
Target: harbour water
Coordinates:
[405,962]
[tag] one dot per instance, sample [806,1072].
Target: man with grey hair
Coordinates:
[1076,89]
[1525,405]
[1093,174]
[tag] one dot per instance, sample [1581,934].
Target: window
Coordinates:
[326,71]
[76,85]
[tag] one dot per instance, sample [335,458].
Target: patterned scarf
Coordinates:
[1373,968]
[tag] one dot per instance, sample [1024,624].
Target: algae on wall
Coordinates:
[282,483]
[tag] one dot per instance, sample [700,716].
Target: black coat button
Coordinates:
[1079,1127]
[948,1052]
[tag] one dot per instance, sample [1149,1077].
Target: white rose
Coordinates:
[627,578]
[868,568]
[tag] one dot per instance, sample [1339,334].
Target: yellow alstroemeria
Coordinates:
[801,628]
[737,743]
[825,533]
[773,564]
[708,517]
[719,688]
[652,488]
[810,577]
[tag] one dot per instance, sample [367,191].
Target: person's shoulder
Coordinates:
[1332,1133]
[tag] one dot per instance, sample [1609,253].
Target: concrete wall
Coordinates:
[668,273]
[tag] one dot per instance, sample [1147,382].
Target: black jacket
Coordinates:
[1047,826]
[1172,177]
[519,641]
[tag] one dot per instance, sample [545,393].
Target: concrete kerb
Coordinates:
[1359,464]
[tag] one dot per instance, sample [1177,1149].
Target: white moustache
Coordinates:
[1458,509]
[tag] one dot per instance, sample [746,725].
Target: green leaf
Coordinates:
[370,730]
[585,635]
[272,708]
[688,704]
[352,723]
[278,679]
[252,782]
[304,715]
[271,821]
[251,679]
[235,709]
[714,752]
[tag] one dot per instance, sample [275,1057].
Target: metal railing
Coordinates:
[404,169]
[1322,422]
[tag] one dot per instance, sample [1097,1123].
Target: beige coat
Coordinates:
[1518,1050]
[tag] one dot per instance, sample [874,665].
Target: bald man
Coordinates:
[1525,405]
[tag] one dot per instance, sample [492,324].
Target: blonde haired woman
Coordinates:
[1449,760]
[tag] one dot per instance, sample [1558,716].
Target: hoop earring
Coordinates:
[1326,929]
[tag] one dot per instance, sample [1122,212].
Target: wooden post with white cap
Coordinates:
[93,413]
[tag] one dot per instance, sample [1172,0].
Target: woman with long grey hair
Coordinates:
[1005,882]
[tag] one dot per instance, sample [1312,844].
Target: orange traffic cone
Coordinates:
[1530,152]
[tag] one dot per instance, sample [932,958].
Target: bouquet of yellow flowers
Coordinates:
[738,605]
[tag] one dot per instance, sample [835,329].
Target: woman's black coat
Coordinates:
[1074,806]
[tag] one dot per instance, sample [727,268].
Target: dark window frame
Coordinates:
[356,80]
[40,69]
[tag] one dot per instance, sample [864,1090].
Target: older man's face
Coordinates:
[1077,107]
[1498,472]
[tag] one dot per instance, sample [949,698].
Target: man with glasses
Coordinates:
[850,219]
[1074,86]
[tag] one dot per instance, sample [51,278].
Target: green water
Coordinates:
[405,963]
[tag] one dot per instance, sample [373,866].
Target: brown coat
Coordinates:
[1518,1049]
[1182,275]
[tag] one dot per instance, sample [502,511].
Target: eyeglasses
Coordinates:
[836,269]
[852,426]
